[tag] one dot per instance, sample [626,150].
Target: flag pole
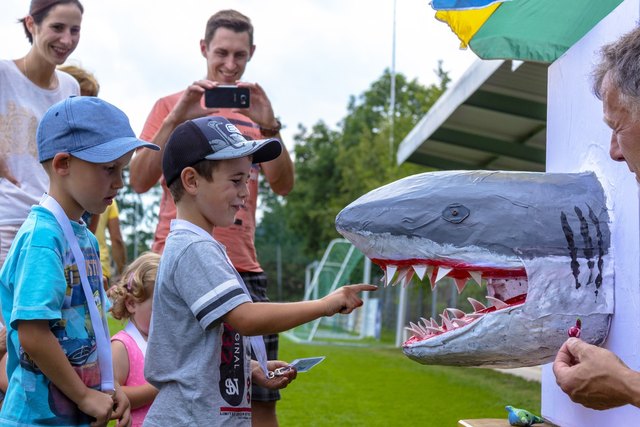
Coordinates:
[392,101]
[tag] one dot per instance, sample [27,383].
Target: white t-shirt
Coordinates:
[22,105]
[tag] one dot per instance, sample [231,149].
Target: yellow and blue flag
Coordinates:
[462,4]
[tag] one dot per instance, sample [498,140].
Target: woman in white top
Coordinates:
[28,87]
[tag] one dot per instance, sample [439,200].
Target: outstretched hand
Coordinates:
[594,376]
[345,299]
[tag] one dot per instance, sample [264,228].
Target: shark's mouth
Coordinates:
[505,288]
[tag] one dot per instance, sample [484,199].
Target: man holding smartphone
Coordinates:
[227,47]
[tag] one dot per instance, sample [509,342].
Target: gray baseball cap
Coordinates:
[212,138]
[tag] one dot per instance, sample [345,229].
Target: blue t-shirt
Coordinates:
[40,281]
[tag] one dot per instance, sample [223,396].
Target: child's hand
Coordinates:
[98,405]
[121,408]
[277,382]
[345,299]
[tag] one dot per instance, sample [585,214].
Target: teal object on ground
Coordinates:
[522,417]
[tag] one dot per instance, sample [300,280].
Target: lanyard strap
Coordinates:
[98,320]
[134,333]
[257,343]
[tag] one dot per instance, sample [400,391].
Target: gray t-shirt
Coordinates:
[199,364]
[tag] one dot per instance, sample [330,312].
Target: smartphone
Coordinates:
[227,96]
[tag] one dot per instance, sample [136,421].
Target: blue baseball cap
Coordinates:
[88,128]
[212,138]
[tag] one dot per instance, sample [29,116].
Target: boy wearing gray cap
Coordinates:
[59,356]
[197,354]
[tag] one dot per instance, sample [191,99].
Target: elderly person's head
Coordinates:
[617,83]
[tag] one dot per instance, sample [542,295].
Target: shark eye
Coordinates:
[455,213]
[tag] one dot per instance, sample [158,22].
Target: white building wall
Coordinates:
[577,140]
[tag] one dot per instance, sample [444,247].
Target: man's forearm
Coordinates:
[280,172]
[146,166]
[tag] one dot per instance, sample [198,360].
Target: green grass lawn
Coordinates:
[360,386]
[379,386]
[114,325]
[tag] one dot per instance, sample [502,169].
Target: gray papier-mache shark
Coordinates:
[539,242]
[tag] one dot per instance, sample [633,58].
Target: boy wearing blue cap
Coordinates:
[59,359]
[197,356]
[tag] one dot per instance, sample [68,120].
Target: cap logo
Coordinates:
[229,136]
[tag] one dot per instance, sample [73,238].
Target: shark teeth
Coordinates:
[476,276]
[417,328]
[458,314]
[460,284]
[502,292]
[453,318]
[436,330]
[434,323]
[433,272]
[425,321]
[402,273]
[447,323]
[477,305]
[442,273]
[406,277]
[389,273]
[420,270]
[514,278]
[474,315]
[497,303]
[460,322]
[427,328]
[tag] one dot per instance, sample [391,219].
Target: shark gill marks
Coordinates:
[589,231]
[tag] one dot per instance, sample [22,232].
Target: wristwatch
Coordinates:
[271,132]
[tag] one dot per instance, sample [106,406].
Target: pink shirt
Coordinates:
[239,238]
[136,373]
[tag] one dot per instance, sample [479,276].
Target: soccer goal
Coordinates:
[341,264]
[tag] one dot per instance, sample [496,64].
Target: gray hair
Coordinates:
[620,63]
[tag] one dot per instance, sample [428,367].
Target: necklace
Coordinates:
[51,84]
[24,70]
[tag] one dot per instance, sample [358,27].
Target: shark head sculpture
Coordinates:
[539,242]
